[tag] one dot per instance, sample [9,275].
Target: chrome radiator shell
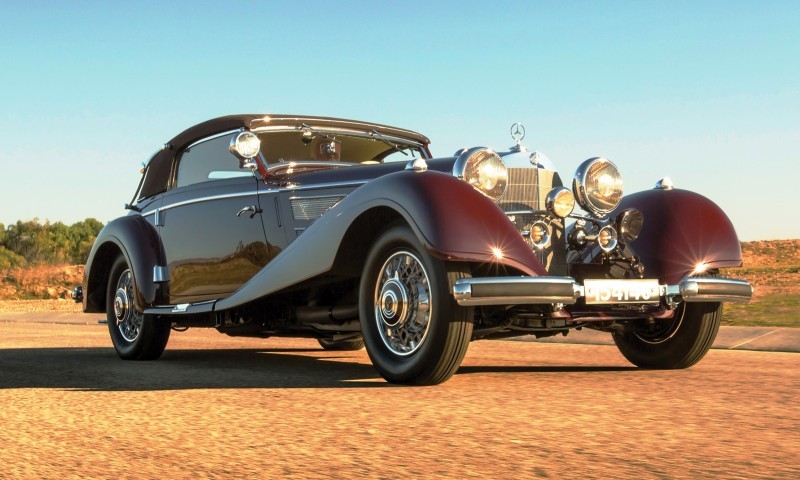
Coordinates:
[526,192]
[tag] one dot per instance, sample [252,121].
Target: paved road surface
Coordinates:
[219,407]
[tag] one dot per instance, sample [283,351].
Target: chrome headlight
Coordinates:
[597,186]
[484,170]
[560,202]
[629,224]
[245,145]
[607,238]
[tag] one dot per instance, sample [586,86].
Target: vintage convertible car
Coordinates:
[349,232]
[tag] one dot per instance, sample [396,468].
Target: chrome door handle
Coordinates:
[251,208]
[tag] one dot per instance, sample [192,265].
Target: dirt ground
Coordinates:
[220,407]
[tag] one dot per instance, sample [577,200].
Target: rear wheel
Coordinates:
[413,329]
[135,336]
[346,344]
[679,342]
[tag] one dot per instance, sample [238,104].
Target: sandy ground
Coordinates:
[219,407]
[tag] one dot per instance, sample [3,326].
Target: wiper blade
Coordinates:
[376,135]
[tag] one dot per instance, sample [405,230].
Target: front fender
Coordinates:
[681,230]
[138,241]
[451,219]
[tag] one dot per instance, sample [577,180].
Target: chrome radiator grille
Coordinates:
[527,190]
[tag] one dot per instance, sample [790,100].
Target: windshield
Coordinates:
[317,145]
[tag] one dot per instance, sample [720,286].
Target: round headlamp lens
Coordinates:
[246,144]
[560,202]
[539,235]
[629,224]
[607,238]
[598,186]
[484,170]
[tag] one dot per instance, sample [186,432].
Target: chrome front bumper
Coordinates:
[567,291]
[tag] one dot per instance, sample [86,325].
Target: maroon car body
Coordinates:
[310,226]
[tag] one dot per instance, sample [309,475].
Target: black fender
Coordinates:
[681,231]
[138,241]
[451,219]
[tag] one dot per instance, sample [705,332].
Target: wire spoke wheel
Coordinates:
[402,303]
[413,329]
[135,336]
[128,320]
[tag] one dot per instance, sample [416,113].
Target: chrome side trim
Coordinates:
[209,198]
[206,306]
[316,186]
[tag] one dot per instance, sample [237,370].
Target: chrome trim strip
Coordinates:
[210,198]
[212,137]
[314,197]
[277,167]
[341,131]
[204,199]
[180,308]
[298,188]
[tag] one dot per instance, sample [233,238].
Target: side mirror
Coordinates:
[245,146]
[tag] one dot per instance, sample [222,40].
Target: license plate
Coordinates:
[621,291]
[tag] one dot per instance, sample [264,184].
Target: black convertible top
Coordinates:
[159,168]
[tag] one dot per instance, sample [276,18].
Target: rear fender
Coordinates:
[138,241]
[452,220]
[681,231]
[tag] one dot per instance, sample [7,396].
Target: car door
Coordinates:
[210,224]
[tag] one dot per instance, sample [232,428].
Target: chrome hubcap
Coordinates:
[402,303]
[393,301]
[128,320]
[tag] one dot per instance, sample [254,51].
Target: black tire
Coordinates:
[135,336]
[348,344]
[411,340]
[679,342]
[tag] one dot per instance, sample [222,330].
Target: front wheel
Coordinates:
[414,331]
[135,336]
[679,342]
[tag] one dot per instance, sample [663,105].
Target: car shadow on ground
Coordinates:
[99,369]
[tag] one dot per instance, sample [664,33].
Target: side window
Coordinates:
[208,161]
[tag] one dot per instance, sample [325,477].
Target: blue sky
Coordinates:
[707,93]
